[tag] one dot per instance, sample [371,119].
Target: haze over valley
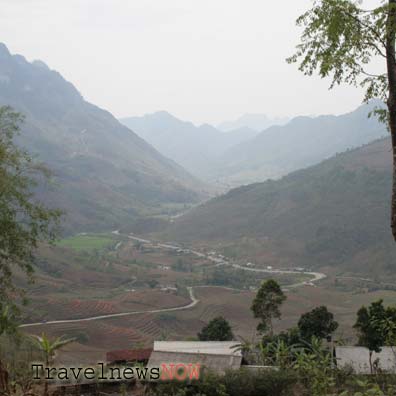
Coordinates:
[178,184]
[245,155]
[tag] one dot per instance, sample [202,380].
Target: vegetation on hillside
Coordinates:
[340,40]
[332,214]
[24,222]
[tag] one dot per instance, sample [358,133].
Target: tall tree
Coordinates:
[370,334]
[24,222]
[218,329]
[341,40]
[266,305]
[317,323]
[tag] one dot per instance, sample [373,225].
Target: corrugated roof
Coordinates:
[128,355]
[357,358]
[226,348]
[217,363]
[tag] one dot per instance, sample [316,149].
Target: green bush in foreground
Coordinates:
[234,383]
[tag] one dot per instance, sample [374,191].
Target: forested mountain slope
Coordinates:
[105,174]
[335,213]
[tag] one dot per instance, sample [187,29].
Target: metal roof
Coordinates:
[217,363]
[225,348]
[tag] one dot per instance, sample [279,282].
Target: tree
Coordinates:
[266,305]
[340,40]
[24,222]
[317,323]
[371,335]
[49,348]
[152,283]
[218,329]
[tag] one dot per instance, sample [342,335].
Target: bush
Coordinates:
[233,383]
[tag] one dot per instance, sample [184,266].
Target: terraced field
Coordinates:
[144,300]
[117,281]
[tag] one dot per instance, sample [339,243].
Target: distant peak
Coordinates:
[4,53]
[40,64]
[162,114]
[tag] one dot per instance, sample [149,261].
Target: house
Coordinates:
[358,359]
[218,356]
[124,356]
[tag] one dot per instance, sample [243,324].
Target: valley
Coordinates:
[114,303]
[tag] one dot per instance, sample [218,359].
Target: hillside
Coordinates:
[303,142]
[245,155]
[196,148]
[105,174]
[332,214]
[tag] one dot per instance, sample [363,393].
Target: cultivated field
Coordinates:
[126,276]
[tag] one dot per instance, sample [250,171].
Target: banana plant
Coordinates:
[49,348]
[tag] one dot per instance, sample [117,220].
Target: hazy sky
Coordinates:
[202,60]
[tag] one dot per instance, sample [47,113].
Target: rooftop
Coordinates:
[226,348]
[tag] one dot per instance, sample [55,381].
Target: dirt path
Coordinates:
[194,301]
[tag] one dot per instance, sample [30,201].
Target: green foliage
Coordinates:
[315,367]
[8,320]
[278,353]
[317,323]
[376,326]
[233,383]
[370,334]
[339,41]
[266,305]
[86,242]
[152,283]
[218,329]
[182,266]
[24,222]
[367,388]
[49,347]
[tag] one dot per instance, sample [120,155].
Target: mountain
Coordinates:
[105,175]
[256,122]
[196,148]
[335,214]
[302,142]
[243,155]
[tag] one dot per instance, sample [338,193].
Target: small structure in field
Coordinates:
[218,356]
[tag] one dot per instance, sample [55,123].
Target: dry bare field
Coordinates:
[115,281]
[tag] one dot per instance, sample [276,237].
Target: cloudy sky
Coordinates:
[202,60]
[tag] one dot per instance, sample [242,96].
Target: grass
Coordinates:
[87,242]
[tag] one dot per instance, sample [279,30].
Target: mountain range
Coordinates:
[196,148]
[104,173]
[244,155]
[334,214]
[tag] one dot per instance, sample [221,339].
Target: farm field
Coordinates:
[86,242]
[130,277]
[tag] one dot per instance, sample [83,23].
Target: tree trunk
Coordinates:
[391,69]
[3,379]
[371,361]
[46,380]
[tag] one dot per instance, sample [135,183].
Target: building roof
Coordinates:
[128,355]
[224,348]
[357,358]
[217,363]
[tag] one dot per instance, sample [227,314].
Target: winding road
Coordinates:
[316,276]
[193,303]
